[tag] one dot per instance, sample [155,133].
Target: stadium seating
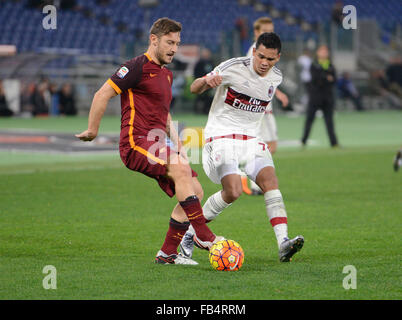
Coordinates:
[203,21]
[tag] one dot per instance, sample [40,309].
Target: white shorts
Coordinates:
[224,156]
[267,130]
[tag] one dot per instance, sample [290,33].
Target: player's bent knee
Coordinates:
[179,171]
[232,193]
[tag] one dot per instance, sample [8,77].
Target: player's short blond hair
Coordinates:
[260,21]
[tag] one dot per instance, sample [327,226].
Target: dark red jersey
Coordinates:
[146,93]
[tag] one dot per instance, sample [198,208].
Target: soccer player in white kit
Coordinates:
[244,90]
[268,129]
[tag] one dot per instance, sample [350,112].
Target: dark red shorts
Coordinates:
[150,158]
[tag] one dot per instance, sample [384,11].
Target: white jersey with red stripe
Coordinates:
[242,98]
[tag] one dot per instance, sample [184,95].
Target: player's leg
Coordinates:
[216,203]
[266,179]
[178,212]
[179,228]
[188,212]
[221,167]
[255,189]
[214,206]
[275,208]
[260,168]
[211,209]
[180,172]
[268,132]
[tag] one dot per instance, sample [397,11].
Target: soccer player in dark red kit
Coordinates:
[144,84]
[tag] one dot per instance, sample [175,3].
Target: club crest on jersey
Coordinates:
[122,72]
[270,91]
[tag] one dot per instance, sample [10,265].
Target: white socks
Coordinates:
[277,214]
[214,206]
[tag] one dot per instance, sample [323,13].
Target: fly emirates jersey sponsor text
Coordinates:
[242,98]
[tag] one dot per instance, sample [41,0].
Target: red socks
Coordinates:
[176,231]
[192,208]
[173,236]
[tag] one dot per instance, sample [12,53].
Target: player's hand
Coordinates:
[87,135]
[213,81]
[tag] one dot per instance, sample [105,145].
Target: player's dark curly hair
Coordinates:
[269,40]
[164,26]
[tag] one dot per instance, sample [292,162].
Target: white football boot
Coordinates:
[289,247]
[206,244]
[187,244]
[162,258]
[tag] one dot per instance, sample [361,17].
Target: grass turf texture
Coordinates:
[100,225]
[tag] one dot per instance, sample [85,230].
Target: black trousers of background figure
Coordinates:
[326,104]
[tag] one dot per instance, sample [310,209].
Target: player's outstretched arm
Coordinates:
[98,107]
[200,85]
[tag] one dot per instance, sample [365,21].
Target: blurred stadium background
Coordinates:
[93,37]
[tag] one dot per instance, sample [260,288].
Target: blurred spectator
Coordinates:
[394,76]
[177,88]
[27,94]
[304,63]
[4,110]
[379,86]
[67,100]
[337,13]
[41,98]
[321,97]
[203,66]
[54,103]
[347,90]
[379,83]
[242,29]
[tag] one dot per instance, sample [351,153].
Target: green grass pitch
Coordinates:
[101,225]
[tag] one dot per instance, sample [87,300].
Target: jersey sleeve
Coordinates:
[127,76]
[223,70]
